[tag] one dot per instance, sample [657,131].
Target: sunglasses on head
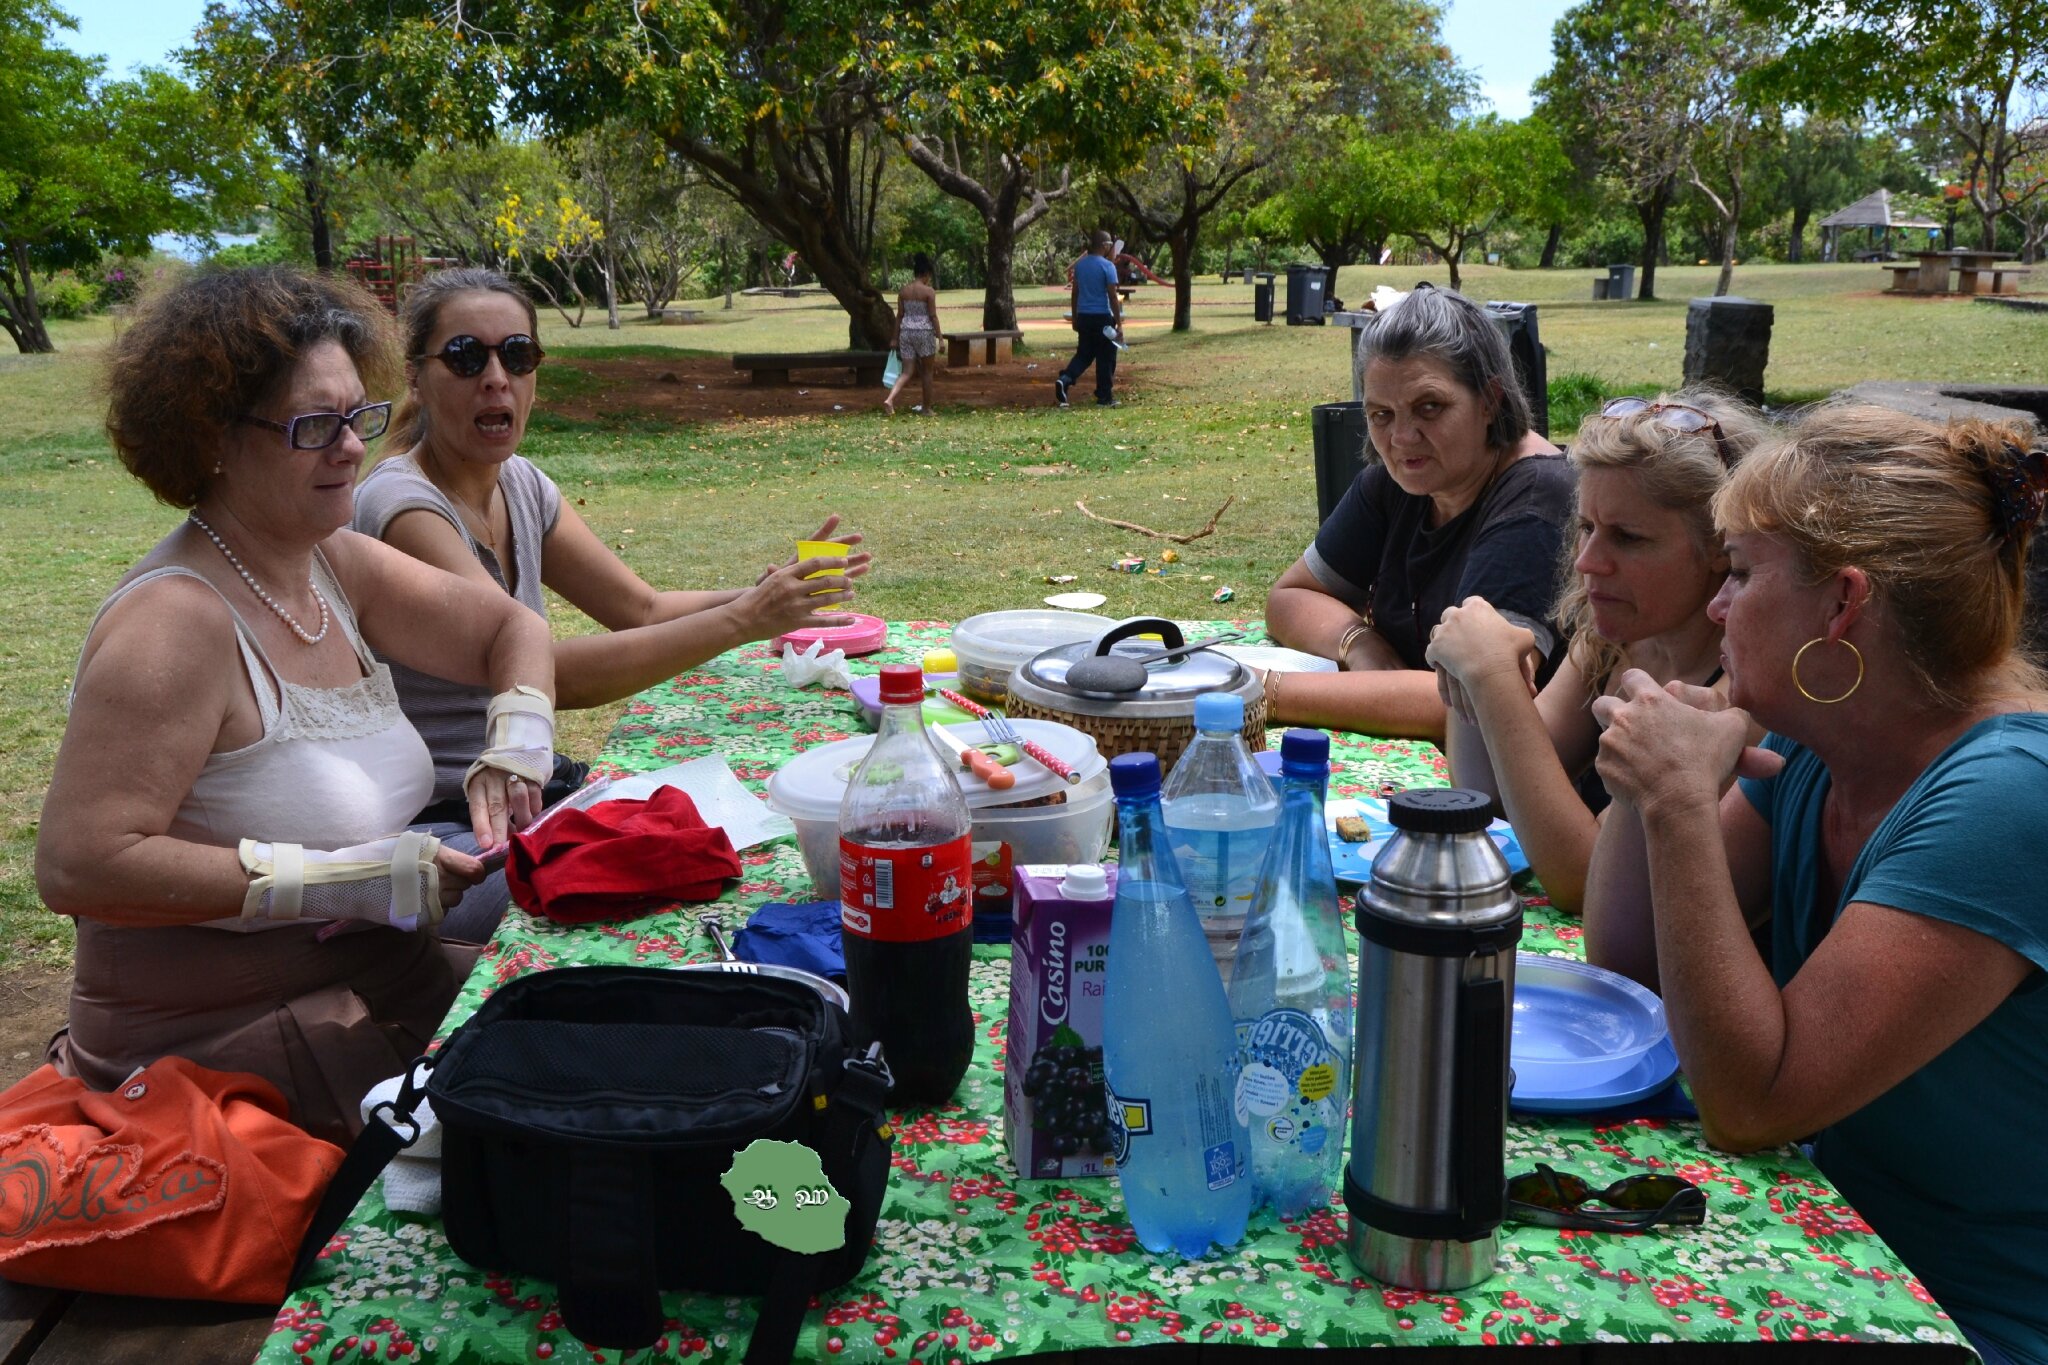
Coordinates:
[1545,1198]
[319,430]
[466,356]
[1672,417]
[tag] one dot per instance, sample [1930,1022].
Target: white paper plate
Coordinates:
[1076,601]
[1277,659]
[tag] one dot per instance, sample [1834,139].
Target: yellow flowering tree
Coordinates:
[549,240]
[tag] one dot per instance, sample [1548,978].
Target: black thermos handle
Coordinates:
[1481,1078]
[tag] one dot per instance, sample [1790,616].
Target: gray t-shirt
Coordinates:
[450,716]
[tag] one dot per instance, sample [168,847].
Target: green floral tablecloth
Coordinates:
[971,1263]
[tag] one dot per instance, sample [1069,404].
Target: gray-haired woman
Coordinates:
[1465,500]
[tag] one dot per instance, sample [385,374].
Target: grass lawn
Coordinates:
[966,511]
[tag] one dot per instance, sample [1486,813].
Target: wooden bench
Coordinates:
[2005,279]
[979,348]
[772,370]
[59,1327]
[1905,279]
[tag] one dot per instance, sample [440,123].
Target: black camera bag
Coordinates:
[587,1114]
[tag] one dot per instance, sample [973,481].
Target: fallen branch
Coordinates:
[1210,529]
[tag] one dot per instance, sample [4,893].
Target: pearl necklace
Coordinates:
[257,588]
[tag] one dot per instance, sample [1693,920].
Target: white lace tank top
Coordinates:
[334,766]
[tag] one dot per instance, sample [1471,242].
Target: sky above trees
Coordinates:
[1507,42]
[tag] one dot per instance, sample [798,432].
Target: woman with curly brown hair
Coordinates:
[1889,829]
[1646,562]
[227,818]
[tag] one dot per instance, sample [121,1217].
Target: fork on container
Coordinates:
[999,731]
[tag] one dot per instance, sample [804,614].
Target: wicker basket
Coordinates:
[1164,736]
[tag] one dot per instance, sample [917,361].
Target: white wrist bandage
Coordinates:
[519,737]
[392,881]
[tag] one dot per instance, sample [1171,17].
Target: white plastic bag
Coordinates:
[893,370]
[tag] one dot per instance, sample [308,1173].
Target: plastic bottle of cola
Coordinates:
[907,899]
[1291,995]
[1169,1052]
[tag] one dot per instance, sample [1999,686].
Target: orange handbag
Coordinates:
[181,1183]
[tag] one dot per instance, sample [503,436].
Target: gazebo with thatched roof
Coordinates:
[1873,212]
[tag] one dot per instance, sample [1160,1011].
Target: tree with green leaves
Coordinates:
[1969,71]
[1383,63]
[1245,99]
[1342,203]
[1448,188]
[1733,126]
[1623,80]
[1003,100]
[89,165]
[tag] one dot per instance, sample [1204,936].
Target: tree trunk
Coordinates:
[323,233]
[1651,212]
[1795,249]
[611,288]
[1451,259]
[999,296]
[1728,235]
[1181,243]
[1550,244]
[1988,238]
[23,316]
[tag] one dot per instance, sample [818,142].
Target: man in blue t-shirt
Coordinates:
[1098,312]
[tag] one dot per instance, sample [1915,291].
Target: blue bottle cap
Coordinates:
[1219,711]
[1134,775]
[1305,753]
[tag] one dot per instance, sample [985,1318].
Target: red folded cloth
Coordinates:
[619,859]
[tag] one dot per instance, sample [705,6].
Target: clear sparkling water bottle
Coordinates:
[1290,993]
[1169,1051]
[1220,812]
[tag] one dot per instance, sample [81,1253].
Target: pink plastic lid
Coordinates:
[860,635]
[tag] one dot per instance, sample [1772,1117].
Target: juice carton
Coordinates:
[1054,1106]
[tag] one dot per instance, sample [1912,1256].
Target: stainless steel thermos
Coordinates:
[1437,928]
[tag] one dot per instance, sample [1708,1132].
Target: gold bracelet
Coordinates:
[1272,689]
[1348,639]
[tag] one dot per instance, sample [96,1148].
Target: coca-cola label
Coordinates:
[905,895]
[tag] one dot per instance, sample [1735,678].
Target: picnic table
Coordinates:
[1977,272]
[973,1264]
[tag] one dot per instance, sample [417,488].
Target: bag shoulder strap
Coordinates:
[373,1149]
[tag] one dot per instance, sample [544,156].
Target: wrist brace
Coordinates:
[392,881]
[519,737]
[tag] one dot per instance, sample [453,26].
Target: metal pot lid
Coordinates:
[1170,687]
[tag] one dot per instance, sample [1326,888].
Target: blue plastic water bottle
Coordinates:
[1169,1052]
[1220,813]
[1290,993]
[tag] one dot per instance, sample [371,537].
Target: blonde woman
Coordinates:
[1646,562]
[1889,829]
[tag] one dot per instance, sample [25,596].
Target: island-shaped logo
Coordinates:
[779,1190]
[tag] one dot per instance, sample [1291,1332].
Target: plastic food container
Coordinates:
[860,635]
[992,646]
[1576,1025]
[809,788]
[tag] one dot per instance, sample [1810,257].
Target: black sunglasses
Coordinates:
[319,430]
[467,356]
[1673,417]
[1547,1199]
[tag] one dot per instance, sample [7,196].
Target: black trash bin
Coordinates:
[1262,298]
[1621,281]
[1341,451]
[1308,292]
[1518,324]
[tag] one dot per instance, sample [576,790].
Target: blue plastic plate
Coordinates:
[1353,862]
[1640,1082]
[1577,1027]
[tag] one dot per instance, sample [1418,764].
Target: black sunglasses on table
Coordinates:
[1545,1198]
[319,430]
[466,356]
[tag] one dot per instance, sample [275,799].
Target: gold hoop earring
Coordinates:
[1826,701]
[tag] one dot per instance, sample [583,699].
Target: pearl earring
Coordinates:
[216,466]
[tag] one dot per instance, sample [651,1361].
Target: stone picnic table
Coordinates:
[973,1264]
[1977,272]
